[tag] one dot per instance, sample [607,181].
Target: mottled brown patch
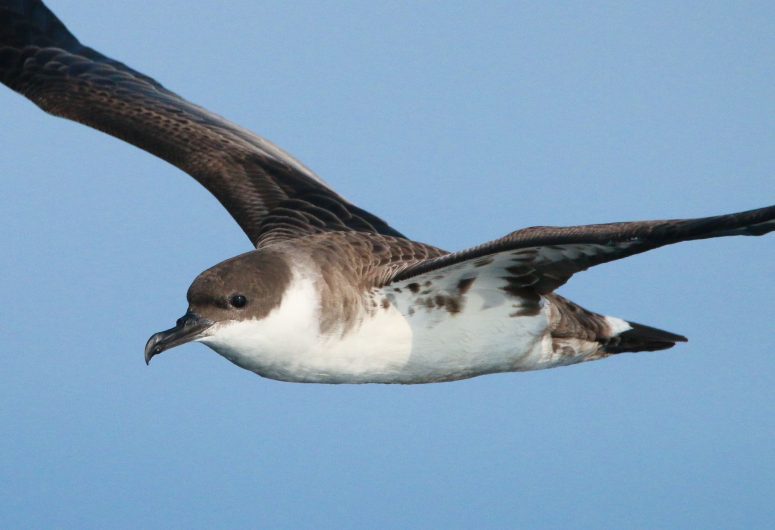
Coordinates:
[464,285]
[569,320]
[453,304]
[519,290]
[385,303]
[396,289]
[561,347]
[530,301]
[414,287]
[523,312]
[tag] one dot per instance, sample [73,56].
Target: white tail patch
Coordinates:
[617,325]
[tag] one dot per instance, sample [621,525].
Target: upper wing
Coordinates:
[269,193]
[543,258]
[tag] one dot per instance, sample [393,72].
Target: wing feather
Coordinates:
[250,176]
[544,258]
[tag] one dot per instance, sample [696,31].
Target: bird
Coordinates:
[331,293]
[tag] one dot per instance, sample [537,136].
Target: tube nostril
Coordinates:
[186,319]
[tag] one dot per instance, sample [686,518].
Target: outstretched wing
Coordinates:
[543,258]
[269,193]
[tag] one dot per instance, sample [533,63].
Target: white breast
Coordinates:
[287,344]
[402,343]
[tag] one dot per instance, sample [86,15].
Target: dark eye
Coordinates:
[238,300]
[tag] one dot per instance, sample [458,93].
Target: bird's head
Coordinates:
[245,287]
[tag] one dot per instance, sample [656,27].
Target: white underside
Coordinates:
[399,344]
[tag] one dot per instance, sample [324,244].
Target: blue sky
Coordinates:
[458,122]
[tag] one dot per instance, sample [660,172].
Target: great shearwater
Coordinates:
[332,293]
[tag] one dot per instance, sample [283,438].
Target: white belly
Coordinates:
[402,343]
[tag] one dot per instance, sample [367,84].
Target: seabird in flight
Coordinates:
[332,293]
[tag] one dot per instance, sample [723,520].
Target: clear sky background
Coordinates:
[458,122]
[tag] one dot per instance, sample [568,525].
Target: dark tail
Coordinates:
[641,338]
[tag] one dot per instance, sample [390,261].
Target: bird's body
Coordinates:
[332,293]
[391,339]
[332,320]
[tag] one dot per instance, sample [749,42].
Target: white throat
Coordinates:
[288,345]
